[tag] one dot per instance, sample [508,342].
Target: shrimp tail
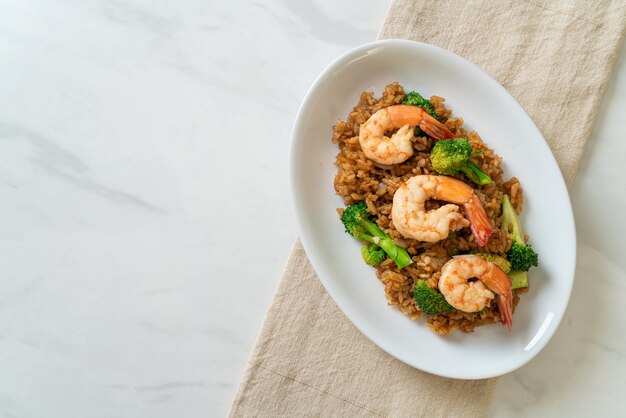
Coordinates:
[479,223]
[505,306]
[434,128]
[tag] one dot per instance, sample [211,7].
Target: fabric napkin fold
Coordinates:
[555,58]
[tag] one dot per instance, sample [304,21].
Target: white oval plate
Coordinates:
[502,123]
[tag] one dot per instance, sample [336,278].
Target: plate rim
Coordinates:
[336,64]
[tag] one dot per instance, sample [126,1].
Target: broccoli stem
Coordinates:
[511,222]
[372,228]
[519,279]
[520,255]
[475,174]
[397,254]
[368,239]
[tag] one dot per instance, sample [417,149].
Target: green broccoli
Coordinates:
[358,223]
[415,99]
[449,156]
[498,260]
[521,255]
[373,254]
[430,300]
[519,279]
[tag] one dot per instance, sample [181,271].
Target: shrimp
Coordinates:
[411,220]
[474,296]
[397,148]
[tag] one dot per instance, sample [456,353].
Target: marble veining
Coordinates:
[138,260]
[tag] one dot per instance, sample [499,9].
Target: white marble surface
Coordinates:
[135,276]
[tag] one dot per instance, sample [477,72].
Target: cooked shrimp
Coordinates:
[413,221]
[474,296]
[398,147]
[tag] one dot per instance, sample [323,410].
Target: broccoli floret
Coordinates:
[498,260]
[373,254]
[521,255]
[415,99]
[519,279]
[358,223]
[430,300]
[449,156]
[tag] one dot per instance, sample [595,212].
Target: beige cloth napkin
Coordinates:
[555,58]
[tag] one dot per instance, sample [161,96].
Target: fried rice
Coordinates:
[361,179]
